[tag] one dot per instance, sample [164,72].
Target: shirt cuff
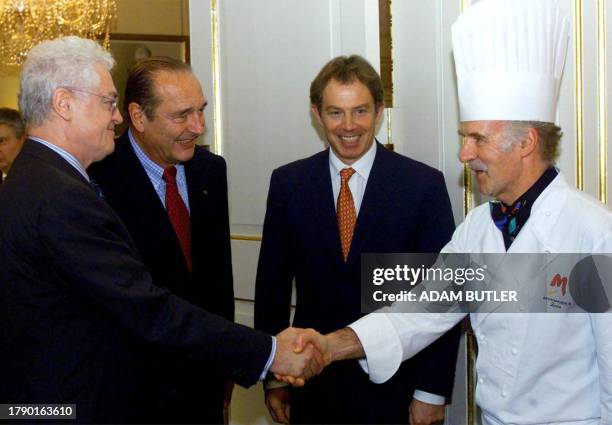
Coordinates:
[381,344]
[270,360]
[429,398]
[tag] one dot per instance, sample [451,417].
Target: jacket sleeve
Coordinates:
[434,367]
[91,252]
[275,270]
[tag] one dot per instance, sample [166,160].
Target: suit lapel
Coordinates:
[138,191]
[197,187]
[378,194]
[323,205]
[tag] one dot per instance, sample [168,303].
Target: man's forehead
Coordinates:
[177,86]
[7,130]
[485,127]
[106,85]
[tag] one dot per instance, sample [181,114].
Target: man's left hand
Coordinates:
[425,414]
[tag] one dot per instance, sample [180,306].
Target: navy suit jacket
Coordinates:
[405,208]
[77,303]
[209,285]
[129,191]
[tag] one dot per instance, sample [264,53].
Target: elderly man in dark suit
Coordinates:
[325,211]
[77,305]
[190,253]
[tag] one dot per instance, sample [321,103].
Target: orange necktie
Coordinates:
[345,210]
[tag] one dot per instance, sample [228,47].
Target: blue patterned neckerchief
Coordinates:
[510,219]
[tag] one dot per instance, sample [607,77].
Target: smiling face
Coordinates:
[349,117]
[169,136]
[498,169]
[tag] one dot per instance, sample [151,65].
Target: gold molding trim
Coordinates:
[252,238]
[385,38]
[601,100]
[470,339]
[467,174]
[216,75]
[578,63]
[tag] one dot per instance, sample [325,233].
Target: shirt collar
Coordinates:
[362,166]
[153,170]
[71,159]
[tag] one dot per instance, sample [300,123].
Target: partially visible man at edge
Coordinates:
[76,301]
[12,136]
[180,224]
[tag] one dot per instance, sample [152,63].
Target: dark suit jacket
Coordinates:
[76,302]
[405,208]
[129,191]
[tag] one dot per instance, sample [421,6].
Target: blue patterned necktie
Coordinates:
[506,218]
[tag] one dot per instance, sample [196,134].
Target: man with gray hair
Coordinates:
[12,136]
[532,368]
[78,309]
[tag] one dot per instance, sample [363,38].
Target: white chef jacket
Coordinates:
[532,368]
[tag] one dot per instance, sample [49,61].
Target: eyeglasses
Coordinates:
[110,102]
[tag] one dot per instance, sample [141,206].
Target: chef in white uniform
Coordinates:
[532,368]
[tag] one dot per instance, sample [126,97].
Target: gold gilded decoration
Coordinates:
[385,22]
[25,23]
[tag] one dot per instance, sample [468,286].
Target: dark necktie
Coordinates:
[178,214]
[345,210]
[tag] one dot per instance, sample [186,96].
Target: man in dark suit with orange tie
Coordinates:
[323,212]
[172,196]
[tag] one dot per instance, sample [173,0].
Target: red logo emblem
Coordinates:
[560,282]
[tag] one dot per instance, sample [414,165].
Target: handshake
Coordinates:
[304,353]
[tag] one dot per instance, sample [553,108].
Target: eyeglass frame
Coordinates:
[112,102]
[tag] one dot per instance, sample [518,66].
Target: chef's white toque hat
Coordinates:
[509,58]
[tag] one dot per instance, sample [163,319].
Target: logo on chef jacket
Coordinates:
[558,281]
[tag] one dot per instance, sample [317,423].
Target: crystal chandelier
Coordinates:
[25,23]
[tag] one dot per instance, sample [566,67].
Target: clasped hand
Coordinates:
[300,355]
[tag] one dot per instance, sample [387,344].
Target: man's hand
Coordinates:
[342,344]
[277,401]
[297,363]
[425,414]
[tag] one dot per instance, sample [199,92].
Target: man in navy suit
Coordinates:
[79,313]
[323,212]
[164,104]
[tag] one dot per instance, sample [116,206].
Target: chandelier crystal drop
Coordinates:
[25,23]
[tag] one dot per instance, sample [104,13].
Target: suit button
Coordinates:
[480,380]
[514,351]
[504,394]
